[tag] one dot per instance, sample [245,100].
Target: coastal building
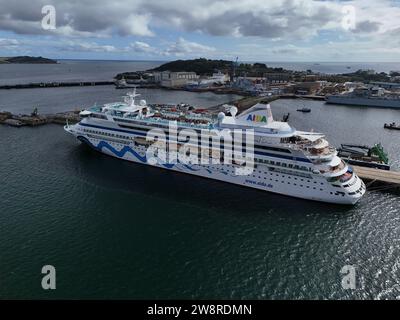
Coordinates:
[174,79]
[332,89]
[352,85]
[323,83]
[219,77]
[304,88]
[278,78]
[311,77]
[386,85]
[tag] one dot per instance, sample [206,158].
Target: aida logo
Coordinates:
[256,118]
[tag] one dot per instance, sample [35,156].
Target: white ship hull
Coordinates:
[315,188]
[365,102]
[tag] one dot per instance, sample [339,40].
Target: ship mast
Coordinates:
[130,97]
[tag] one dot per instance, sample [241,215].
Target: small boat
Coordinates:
[304,110]
[392,126]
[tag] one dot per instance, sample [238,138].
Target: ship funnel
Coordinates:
[258,114]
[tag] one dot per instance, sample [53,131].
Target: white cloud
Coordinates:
[183,47]
[137,25]
[8,43]
[79,46]
[273,18]
[179,48]
[274,24]
[143,47]
[268,19]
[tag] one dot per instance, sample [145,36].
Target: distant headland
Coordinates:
[204,66]
[27,60]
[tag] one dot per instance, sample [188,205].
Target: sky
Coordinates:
[253,30]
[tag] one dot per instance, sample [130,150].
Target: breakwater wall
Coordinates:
[56,84]
[22,120]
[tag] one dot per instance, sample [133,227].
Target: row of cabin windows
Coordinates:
[283,164]
[108,134]
[276,149]
[360,189]
[290,183]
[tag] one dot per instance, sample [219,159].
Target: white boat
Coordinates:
[284,160]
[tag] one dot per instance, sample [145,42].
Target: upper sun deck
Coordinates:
[165,114]
[184,115]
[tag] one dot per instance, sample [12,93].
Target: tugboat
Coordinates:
[305,110]
[365,156]
[392,126]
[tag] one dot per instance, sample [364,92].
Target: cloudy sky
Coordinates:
[253,30]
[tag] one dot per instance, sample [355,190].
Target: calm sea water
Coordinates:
[81,70]
[114,229]
[70,70]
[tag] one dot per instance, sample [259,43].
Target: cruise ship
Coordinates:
[284,160]
[366,97]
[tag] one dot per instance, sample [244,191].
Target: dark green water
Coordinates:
[114,229]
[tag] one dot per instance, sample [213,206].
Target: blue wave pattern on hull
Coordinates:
[121,153]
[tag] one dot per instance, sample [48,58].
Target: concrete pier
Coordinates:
[378,177]
[21,120]
[57,84]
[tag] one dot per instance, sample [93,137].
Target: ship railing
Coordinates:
[324,152]
[306,149]
[179,123]
[329,169]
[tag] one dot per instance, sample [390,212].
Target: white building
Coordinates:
[350,86]
[174,79]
